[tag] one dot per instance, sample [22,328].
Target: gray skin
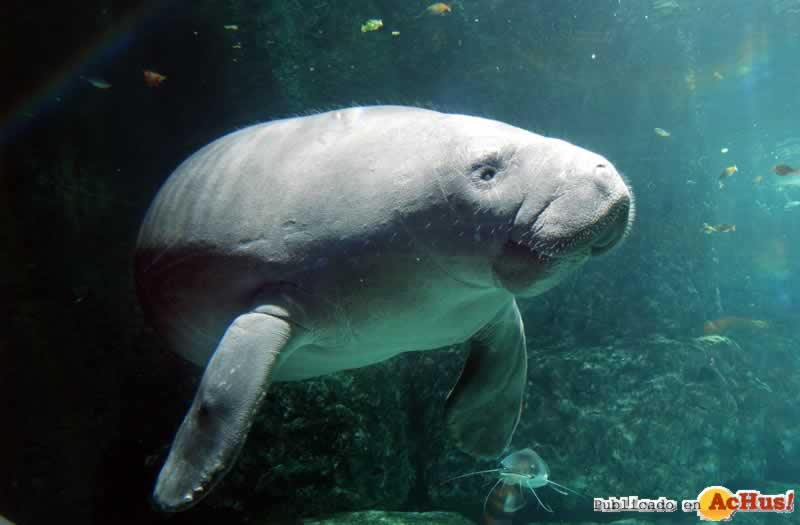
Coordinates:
[310,245]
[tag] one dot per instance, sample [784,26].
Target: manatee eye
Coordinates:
[487,172]
[487,168]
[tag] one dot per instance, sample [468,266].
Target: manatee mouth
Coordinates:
[535,258]
[613,230]
[593,239]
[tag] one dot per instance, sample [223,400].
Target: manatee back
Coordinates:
[288,182]
[267,203]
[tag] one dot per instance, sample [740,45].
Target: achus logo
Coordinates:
[720,504]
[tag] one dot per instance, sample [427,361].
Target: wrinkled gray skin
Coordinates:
[310,245]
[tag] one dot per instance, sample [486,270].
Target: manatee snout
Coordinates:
[615,208]
[615,203]
[590,213]
[614,229]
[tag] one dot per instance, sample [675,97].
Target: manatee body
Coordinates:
[309,245]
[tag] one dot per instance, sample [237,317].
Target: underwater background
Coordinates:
[667,366]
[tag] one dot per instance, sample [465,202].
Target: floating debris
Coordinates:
[666,6]
[724,150]
[152,78]
[723,324]
[373,24]
[231,27]
[395,33]
[662,132]
[439,8]
[719,228]
[99,83]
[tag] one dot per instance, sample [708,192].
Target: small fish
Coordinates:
[662,132]
[724,150]
[395,33]
[719,228]
[231,27]
[785,169]
[723,324]
[791,204]
[373,24]
[439,8]
[518,475]
[237,45]
[153,79]
[99,83]
[718,75]
[728,172]
[758,179]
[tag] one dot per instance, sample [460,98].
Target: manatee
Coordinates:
[305,246]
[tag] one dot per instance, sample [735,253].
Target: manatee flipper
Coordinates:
[483,408]
[212,433]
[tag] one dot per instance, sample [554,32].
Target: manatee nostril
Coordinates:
[604,172]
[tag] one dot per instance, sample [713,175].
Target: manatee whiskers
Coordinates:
[631,205]
[631,215]
[551,248]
